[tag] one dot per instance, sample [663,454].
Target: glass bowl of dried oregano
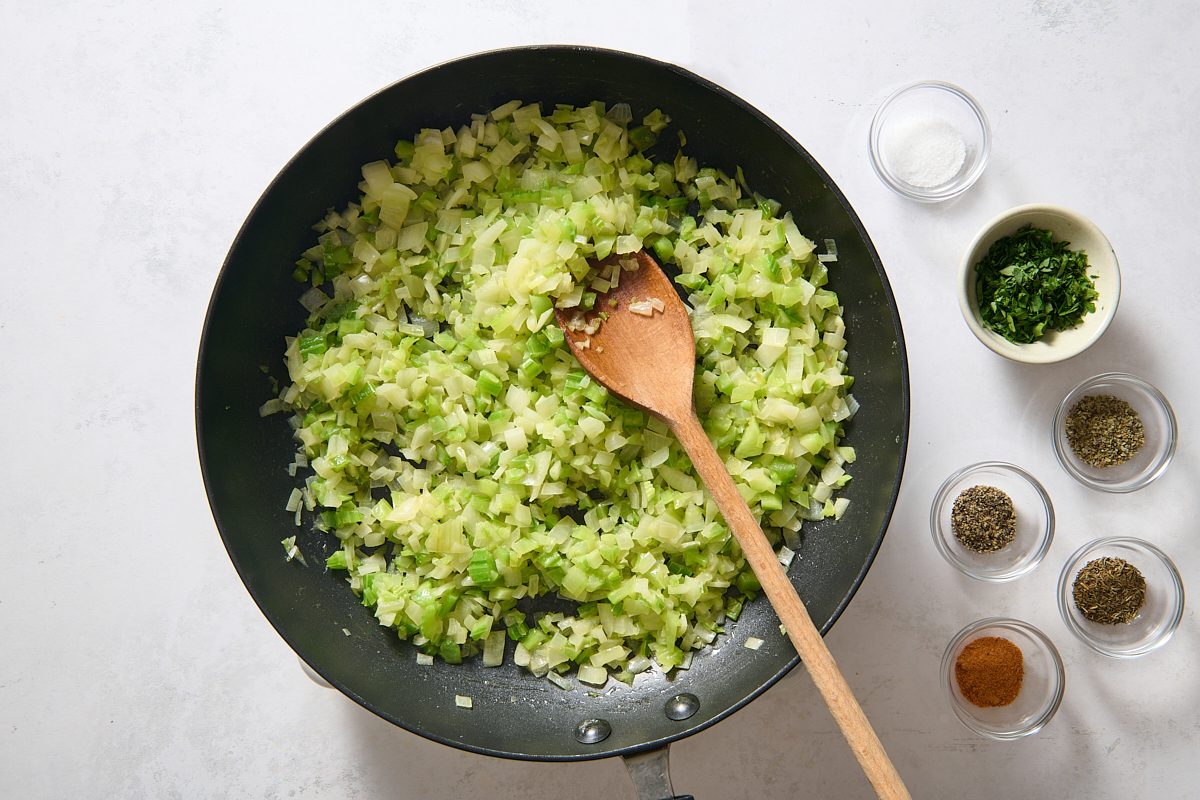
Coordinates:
[992,520]
[1122,597]
[1114,432]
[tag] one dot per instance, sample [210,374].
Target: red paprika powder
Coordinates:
[989,671]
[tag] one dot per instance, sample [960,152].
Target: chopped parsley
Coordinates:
[1027,285]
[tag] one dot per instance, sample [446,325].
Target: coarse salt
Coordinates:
[924,151]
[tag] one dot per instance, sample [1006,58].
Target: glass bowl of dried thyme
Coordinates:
[1115,432]
[992,520]
[1121,596]
[1004,678]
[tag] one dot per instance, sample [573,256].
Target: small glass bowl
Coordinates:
[1035,522]
[1041,688]
[1157,418]
[932,100]
[1159,617]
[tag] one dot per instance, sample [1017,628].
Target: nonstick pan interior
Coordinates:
[243,456]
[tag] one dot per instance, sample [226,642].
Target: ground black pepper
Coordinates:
[1104,431]
[983,519]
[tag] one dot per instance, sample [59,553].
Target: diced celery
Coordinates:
[489,384]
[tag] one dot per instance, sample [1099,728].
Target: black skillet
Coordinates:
[243,456]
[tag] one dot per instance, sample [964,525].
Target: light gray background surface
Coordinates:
[135,138]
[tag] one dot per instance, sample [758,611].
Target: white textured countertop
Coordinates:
[137,136]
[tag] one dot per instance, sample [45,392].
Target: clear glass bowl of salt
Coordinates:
[929,141]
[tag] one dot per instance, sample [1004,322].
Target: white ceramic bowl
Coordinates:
[1066,225]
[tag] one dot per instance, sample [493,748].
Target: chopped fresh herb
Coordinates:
[1027,284]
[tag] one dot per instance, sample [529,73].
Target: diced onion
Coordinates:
[639,664]
[313,299]
[596,676]
[642,307]
[493,649]
[272,406]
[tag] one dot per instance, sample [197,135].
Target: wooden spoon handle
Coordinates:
[787,604]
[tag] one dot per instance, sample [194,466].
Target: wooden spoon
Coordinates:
[649,361]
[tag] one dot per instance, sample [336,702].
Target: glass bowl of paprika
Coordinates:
[1004,678]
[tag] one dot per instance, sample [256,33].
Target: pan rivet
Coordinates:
[592,731]
[682,706]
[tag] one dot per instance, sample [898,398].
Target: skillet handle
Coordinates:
[651,775]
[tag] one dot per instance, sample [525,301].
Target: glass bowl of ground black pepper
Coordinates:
[1121,596]
[992,520]
[1115,432]
[1004,678]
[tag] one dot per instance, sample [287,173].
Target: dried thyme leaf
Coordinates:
[1110,591]
[1027,284]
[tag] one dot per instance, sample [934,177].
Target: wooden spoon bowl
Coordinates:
[646,360]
